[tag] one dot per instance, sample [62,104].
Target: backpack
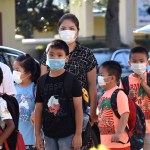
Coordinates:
[15,140]
[68,82]
[136,122]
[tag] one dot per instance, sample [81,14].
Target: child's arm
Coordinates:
[7,131]
[77,140]
[121,127]
[38,124]
[144,84]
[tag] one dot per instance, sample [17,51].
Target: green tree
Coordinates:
[36,14]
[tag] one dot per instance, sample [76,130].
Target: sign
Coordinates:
[142,15]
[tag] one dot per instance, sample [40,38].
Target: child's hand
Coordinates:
[77,141]
[39,143]
[131,94]
[32,118]
[142,78]
[116,137]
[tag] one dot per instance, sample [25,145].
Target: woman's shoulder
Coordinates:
[82,47]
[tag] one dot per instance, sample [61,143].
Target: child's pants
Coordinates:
[57,144]
[147,142]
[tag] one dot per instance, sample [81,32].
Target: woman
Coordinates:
[81,60]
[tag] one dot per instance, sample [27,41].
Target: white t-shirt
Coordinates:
[7,85]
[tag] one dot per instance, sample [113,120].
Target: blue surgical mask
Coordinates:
[55,64]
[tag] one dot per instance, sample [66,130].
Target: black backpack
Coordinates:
[13,107]
[136,122]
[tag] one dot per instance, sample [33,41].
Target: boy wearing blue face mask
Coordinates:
[52,110]
[138,88]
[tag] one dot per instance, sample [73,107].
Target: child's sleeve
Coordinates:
[38,98]
[4,113]
[77,89]
[122,103]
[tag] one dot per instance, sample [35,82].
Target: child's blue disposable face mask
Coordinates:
[55,64]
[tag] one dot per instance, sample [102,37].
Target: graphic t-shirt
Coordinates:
[58,121]
[107,120]
[141,98]
[4,113]
[26,98]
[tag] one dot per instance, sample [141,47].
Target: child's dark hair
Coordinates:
[138,49]
[58,44]
[113,68]
[71,17]
[29,65]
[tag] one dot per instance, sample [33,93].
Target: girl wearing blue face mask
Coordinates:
[53,111]
[25,74]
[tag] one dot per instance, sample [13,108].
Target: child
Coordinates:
[52,111]
[112,129]
[139,90]
[25,74]
[5,118]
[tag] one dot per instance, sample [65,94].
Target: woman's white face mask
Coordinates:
[138,68]
[69,36]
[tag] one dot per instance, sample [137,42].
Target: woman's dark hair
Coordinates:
[29,65]
[58,44]
[138,49]
[71,17]
[113,68]
[1,76]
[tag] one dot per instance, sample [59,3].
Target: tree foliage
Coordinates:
[41,15]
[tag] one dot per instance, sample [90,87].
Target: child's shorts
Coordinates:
[125,148]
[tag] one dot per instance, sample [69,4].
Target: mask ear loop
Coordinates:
[26,77]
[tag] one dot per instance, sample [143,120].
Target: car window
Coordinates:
[122,57]
[8,59]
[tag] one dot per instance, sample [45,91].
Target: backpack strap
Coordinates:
[68,87]
[125,83]
[113,101]
[148,79]
[41,83]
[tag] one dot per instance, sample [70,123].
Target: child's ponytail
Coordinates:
[30,65]
[37,72]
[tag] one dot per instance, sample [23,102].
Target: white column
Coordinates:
[7,8]
[83,10]
[126,19]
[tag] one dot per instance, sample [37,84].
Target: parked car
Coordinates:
[8,55]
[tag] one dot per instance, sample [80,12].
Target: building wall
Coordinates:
[7,8]
[99,25]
